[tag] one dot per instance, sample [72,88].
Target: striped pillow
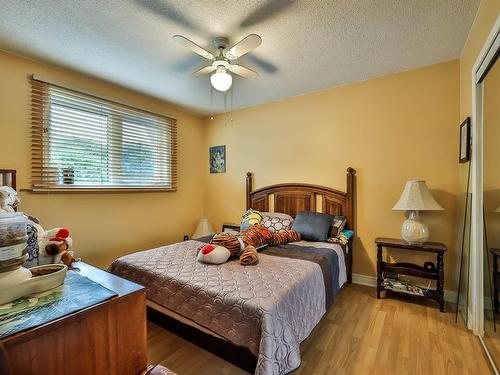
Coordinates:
[338,225]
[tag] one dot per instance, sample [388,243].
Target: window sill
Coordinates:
[113,189]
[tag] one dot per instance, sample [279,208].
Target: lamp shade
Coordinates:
[204,228]
[416,197]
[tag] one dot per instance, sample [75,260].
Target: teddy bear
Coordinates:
[8,199]
[56,243]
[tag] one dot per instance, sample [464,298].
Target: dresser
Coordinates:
[107,338]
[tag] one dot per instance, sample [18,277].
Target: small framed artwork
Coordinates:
[465,132]
[218,159]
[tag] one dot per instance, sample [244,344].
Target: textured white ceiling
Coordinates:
[307,45]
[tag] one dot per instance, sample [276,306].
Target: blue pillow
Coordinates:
[347,233]
[312,226]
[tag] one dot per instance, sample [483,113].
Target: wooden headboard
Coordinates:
[8,178]
[293,198]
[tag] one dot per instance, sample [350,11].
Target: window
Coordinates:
[82,142]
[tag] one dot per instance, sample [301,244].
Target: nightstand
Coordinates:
[230,227]
[428,271]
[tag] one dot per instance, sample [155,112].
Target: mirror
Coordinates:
[491,200]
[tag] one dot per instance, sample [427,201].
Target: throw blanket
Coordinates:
[269,308]
[327,259]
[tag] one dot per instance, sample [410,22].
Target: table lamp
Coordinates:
[204,228]
[416,197]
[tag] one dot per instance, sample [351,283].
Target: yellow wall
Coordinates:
[390,129]
[105,225]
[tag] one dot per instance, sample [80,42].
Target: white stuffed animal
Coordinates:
[213,254]
[8,199]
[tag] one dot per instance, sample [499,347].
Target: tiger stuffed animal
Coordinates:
[246,243]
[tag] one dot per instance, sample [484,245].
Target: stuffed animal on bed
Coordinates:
[213,254]
[245,244]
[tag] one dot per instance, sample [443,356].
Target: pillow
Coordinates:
[343,237]
[312,226]
[250,218]
[213,254]
[277,214]
[337,225]
[347,233]
[276,222]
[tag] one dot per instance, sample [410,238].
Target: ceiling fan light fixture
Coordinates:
[221,80]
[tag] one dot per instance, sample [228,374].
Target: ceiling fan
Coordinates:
[221,63]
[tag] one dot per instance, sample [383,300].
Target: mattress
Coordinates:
[270,307]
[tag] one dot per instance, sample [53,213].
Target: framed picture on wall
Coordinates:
[218,159]
[465,143]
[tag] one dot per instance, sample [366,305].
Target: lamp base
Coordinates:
[413,230]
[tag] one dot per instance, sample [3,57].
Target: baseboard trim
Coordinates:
[366,280]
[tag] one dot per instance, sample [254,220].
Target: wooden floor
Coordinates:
[359,335]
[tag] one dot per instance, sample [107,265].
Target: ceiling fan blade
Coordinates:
[245,45]
[242,71]
[187,64]
[205,70]
[162,9]
[261,63]
[270,9]
[193,47]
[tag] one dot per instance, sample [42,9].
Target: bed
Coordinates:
[254,316]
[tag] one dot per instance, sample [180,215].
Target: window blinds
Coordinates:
[82,142]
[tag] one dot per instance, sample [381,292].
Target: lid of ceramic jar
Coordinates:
[7,218]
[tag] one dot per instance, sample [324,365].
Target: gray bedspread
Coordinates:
[269,307]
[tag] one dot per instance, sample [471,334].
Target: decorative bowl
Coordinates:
[43,278]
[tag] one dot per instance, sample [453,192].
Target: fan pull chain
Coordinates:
[232,106]
[225,108]
[225,102]
[211,102]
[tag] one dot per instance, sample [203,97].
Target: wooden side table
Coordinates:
[230,227]
[434,272]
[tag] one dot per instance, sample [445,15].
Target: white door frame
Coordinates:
[483,62]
